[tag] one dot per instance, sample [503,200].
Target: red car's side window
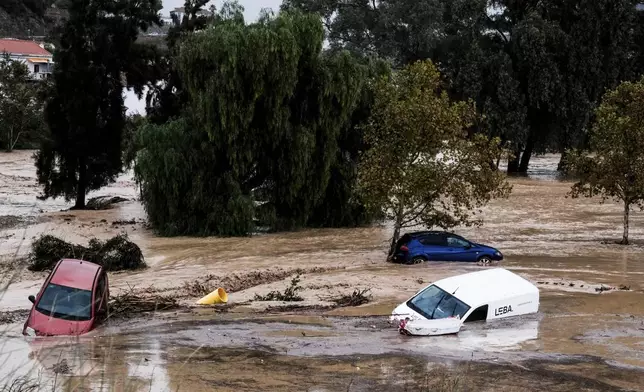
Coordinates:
[99,295]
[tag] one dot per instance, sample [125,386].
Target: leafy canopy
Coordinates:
[616,167]
[21,109]
[421,167]
[259,135]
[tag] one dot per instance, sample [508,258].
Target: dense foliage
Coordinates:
[21,107]
[116,254]
[258,141]
[421,167]
[96,57]
[615,169]
[536,69]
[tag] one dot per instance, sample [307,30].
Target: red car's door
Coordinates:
[100,301]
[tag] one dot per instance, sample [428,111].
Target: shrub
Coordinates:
[115,254]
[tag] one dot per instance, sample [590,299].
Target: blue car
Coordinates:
[415,248]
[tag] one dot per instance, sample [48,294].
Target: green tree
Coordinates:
[266,108]
[421,168]
[166,99]
[615,169]
[95,59]
[535,69]
[21,109]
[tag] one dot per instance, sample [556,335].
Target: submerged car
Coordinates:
[418,247]
[72,301]
[442,308]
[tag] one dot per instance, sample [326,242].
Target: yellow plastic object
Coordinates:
[218,296]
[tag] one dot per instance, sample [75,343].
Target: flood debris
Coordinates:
[9,221]
[624,288]
[124,222]
[357,298]
[289,294]
[103,202]
[130,302]
[12,316]
[116,254]
[603,288]
[238,282]
[61,367]
[297,308]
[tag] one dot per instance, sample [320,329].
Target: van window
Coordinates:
[480,314]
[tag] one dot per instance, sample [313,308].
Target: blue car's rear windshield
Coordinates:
[66,303]
[436,303]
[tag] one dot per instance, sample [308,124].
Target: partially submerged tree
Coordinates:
[96,58]
[21,109]
[616,167]
[259,135]
[421,167]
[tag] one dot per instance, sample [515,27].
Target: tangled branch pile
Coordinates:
[130,302]
[115,254]
[103,202]
[357,298]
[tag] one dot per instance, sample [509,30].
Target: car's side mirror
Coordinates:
[468,246]
[32,299]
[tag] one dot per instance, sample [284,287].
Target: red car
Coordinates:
[71,302]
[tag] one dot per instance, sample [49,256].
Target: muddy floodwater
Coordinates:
[583,338]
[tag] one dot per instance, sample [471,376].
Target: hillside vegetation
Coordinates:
[22,18]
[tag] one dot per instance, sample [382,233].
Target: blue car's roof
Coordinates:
[423,233]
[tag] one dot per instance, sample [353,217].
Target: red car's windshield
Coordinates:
[66,303]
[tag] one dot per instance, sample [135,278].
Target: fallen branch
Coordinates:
[130,302]
[357,298]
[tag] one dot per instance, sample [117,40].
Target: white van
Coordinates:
[442,308]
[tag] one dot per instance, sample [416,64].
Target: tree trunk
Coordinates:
[81,186]
[563,162]
[397,227]
[513,163]
[10,143]
[527,154]
[627,210]
[394,240]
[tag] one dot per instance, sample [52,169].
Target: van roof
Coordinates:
[487,286]
[78,274]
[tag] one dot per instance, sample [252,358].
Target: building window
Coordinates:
[36,68]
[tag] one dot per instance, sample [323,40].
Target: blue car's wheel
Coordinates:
[417,260]
[485,260]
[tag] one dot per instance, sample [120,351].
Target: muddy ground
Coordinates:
[581,339]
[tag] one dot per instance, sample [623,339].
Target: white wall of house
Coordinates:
[37,70]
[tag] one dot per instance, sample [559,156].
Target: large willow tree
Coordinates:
[260,137]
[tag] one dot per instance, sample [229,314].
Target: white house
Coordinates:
[38,59]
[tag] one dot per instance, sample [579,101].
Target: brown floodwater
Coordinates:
[580,340]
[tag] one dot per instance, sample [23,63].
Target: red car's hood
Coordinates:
[50,326]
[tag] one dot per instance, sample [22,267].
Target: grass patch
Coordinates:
[115,254]
[21,384]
